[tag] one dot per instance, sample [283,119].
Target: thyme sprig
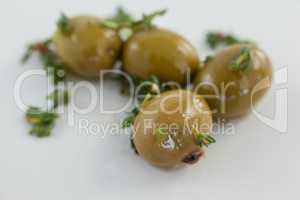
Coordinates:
[123,19]
[203,139]
[243,61]
[216,39]
[147,19]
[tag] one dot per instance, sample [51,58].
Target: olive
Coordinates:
[173,128]
[162,53]
[234,80]
[89,47]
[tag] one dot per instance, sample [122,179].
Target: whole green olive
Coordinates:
[234,80]
[162,53]
[173,128]
[89,47]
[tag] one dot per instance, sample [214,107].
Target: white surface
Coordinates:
[256,163]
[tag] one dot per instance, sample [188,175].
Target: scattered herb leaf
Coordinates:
[42,121]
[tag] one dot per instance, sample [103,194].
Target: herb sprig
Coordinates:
[123,19]
[243,61]
[147,20]
[42,121]
[203,139]
[216,39]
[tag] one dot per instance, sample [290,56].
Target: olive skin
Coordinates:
[233,93]
[176,112]
[89,47]
[162,53]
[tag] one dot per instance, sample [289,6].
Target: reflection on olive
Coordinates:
[234,80]
[89,47]
[173,128]
[162,53]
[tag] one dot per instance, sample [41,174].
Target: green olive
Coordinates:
[167,128]
[89,47]
[162,53]
[232,92]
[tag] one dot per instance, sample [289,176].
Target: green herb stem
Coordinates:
[216,39]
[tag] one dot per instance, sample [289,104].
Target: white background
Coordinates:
[255,163]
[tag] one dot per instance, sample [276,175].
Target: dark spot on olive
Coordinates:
[193,157]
